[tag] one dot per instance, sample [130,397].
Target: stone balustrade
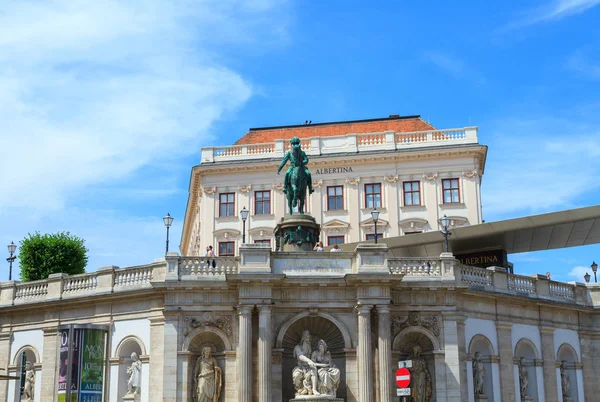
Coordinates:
[354,143]
[258,259]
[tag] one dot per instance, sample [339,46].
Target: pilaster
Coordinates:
[156,363]
[4,356]
[507,381]
[454,371]
[384,344]
[264,354]
[549,365]
[49,364]
[245,353]
[590,358]
[365,354]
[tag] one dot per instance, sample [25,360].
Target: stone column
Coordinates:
[245,354]
[49,364]
[365,355]
[385,352]
[264,354]
[549,365]
[507,379]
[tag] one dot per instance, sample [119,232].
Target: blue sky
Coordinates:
[104,107]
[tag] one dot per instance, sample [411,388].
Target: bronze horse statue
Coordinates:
[297,177]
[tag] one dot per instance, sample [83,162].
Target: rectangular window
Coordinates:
[227,204]
[335,198]
[226,248]
[373,195]
[262,202]
[372,236]
[331,240]
[451,190]
[263,242]
[412,193]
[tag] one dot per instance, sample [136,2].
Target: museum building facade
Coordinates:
[411,172]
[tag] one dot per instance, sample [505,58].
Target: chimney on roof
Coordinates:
[394,116]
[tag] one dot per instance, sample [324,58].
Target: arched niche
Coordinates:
[128,345]
[568,354]
[211,337]
[482,345]
[320,326]
[31,356]
[404,342]
[526,349]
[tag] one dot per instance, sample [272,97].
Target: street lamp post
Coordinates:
[244,215]
[12,247]
[595,268]
[375,216]
[168,220]
[586,277]
[445,221]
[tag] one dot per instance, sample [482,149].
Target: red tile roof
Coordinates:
[401,124]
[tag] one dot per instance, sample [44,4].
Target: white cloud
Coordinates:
[582,62]
[454,66]
[578,272]
[91,93]
[539,165]
[553,11]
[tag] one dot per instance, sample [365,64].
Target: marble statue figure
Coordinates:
[478,374]
[297,177]
[523,377]
[305,375]
[207,378]
[29,387]
[328,374]
[421,387]
[564,379]
[134,373]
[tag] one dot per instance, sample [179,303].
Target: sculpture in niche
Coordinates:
[315,375]
[564,379]
[478,374]
[134,373]
[421,387]
[523,378]
[208,378]
[29,387]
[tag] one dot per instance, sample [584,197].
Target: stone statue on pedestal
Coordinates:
[564,380]
[523,379]
[478,374]
[29,387]
[208,378]
[297,177]
[420,386]
[134,376]
[315,377]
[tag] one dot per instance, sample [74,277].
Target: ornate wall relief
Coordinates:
[221,322]
[415,319]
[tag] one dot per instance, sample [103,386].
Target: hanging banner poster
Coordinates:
[63,364]
[75,364]
[92,365]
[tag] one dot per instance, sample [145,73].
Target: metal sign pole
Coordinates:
[22,380]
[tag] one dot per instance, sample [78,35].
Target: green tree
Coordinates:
[42,255]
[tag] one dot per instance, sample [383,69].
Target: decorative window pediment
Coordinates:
[261,232]
[457,221]
[369,227]
[335,226]
[413,224]
[227,234]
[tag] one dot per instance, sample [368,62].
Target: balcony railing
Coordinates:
[354,143]
[368,259]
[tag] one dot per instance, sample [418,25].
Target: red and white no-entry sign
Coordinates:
[402,377]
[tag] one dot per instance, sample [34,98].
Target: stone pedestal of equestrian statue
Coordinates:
[296,231]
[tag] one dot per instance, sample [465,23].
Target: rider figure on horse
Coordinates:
[298,159]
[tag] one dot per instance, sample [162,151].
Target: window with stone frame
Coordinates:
[371,236]
[373,195]
[262,202]
[226,248]
[335,198]
[331,240]
[265,241]
[226,204]
[451,191]
[412,193]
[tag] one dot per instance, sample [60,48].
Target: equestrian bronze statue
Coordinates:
[297,178]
